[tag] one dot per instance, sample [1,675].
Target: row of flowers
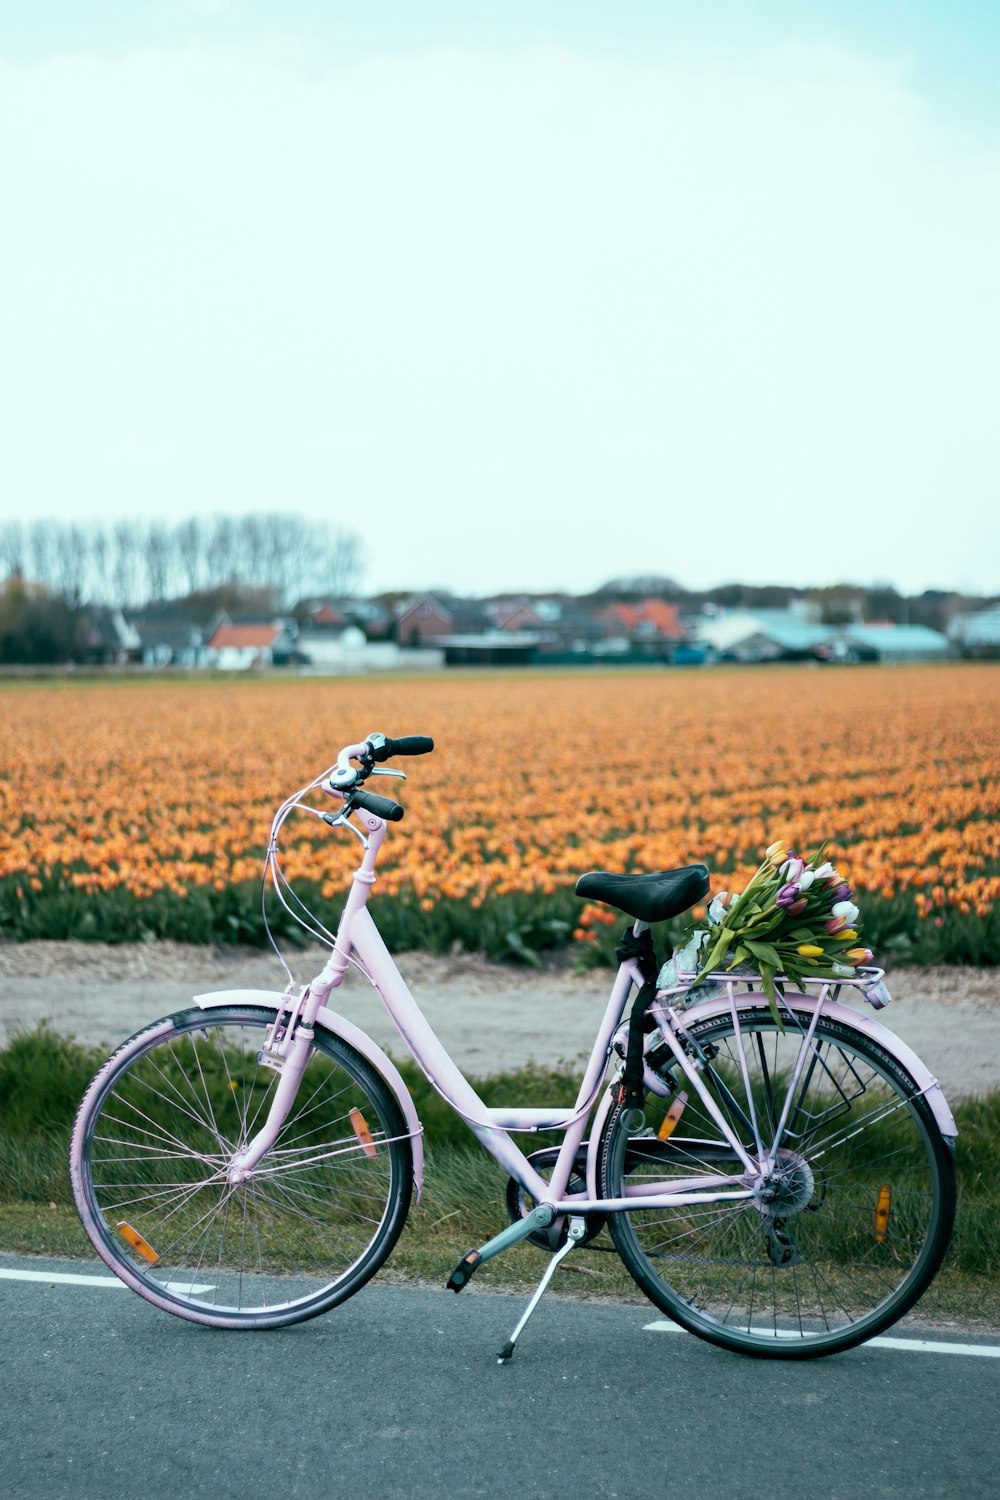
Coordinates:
[169,786]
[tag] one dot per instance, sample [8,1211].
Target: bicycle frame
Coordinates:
[359,941]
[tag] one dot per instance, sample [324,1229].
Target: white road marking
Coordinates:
[915,1346]
[66,1279]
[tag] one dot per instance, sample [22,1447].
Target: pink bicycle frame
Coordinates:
[359,941]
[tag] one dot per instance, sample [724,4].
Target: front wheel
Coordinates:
[315,1219]
[856,1212]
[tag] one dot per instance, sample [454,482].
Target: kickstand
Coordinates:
[577,1230]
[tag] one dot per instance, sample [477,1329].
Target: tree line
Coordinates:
[56,570]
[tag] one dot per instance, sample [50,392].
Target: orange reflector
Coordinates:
[671,1117]
[362,1132]
[139,1245]
[882,1205]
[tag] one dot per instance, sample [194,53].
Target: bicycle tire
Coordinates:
[319,1214]
[864,1196]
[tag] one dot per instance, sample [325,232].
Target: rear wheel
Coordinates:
[851,1224]
[154,1137]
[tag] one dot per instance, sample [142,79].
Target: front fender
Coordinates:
[341,1027]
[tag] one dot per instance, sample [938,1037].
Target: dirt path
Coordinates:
[488,1016]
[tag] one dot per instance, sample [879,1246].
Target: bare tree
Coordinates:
[127,560]
[69,560]
[222,550]
[190,543]
[13,549]
[159,547]
[99,548]
[343,563]
[41,559]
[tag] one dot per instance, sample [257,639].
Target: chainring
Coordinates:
[520,1203]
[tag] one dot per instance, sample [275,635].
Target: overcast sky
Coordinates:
[528,295]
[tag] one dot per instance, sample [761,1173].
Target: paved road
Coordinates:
[397,1394]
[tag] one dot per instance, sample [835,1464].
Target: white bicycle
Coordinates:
[784,1191]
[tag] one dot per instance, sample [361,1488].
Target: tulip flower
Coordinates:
[859,955]
[777,852]
[842,892]
[845,909]
[806,879]
[835,924]
[798,907]
[848,935]
[825,871]
[787,895]
[809,950]
[793,868]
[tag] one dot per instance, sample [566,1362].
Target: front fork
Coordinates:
[287,1049]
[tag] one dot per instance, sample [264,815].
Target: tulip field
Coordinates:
[141,807]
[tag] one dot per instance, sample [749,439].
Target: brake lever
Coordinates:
[384,771]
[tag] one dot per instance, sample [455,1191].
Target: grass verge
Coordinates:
[42,1077]
[513,927]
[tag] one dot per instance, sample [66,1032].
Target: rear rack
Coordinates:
[868,979]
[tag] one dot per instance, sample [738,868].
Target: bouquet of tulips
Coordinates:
[795,917]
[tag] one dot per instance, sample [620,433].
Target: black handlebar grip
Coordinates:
[410,744]
[382,807]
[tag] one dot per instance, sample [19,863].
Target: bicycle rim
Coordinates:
[153,1139]
[859,1213]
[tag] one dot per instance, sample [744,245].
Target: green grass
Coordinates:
[42,1077]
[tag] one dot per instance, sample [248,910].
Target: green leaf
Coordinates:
[767,975]
[721,947]
[766,953]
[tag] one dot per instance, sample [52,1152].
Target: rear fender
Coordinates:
[339,1026]
[857,1021]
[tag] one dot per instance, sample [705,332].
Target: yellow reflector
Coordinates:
[139,1245]
[883,1203]
[362,1132]
[671,1117]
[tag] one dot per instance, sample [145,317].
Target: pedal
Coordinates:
[464,1271]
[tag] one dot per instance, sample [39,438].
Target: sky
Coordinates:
[526,295]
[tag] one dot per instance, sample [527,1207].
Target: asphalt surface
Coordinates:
[398,1393]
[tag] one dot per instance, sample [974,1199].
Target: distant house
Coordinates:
[515,615]
[977,633]
[493,648]
[106,638]
[331,650]
[423,619]
[763,635]
[889,643]
[336,613]
[170,639]
[653,619]
[327,615]
[240,647]
[651,627]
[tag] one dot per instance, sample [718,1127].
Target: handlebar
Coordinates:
[348,780]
